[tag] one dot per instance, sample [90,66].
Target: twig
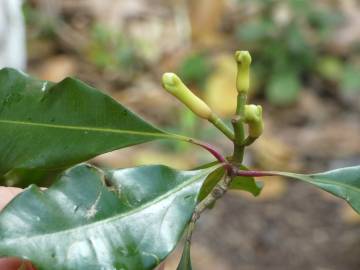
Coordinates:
[219,124]
[211,149]
[218,191]
[252,173]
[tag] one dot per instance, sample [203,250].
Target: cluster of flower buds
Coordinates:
[252,113]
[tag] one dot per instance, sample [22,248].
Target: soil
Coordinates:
[300,230]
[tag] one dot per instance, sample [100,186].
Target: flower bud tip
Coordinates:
[243,57]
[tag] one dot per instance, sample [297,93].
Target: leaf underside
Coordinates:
[343,183]
[49,126]
[124,219]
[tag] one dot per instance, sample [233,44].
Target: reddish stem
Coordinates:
[231,169]
[252,173]
[211,149]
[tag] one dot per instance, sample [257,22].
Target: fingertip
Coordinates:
[7,194]
[15,264]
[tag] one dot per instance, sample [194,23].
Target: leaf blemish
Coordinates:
[43,88]
[187,197]
[157,259]
[91,212]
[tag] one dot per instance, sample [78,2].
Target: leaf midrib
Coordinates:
[309,179]
[94,129]
[331,182]
[116,217]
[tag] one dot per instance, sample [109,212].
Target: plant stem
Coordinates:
[238,125]
[190,228]
[211,149]
[241,101]
[208,147]
[253,173]
[218,191]
[248,141]
[217,122]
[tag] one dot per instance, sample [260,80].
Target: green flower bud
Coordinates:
[253,117]
[243,59]
[173,84]
[253,113]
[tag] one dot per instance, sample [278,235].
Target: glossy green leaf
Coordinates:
[185,261]
[207,165]
[248,184]
[244,183]
[211,182]
[24,177]
[49,126]
[343,183]
[125,219]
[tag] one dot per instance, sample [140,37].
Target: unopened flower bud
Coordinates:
[243,59]
[253,117]
[173,84]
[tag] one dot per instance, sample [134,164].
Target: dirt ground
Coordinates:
[300,230]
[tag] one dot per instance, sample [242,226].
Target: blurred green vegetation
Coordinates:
[195,68]
[288,41]
[42,25]
[111,50]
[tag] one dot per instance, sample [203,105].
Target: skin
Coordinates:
[6,195]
